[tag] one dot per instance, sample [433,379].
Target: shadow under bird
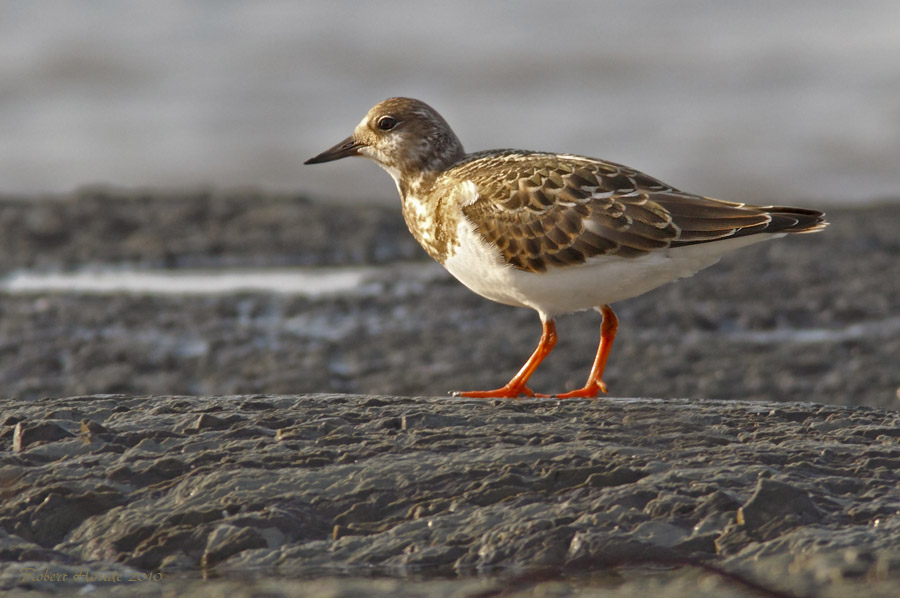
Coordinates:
[554,232]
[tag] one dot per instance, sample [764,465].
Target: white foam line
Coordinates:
[311,282]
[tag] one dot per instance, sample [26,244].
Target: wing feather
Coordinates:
[543,210]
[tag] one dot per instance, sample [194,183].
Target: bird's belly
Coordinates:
[479,266]
[600,281]
[563,290]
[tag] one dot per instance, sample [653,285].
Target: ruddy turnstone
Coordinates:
[554,232]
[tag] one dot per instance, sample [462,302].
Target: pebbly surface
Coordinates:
[447,497]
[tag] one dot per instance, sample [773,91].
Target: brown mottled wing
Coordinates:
[543,210]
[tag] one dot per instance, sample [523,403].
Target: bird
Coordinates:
[557,233]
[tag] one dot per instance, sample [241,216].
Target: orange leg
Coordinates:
[516,386]
[595,383]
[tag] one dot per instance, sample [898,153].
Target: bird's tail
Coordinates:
[794,220]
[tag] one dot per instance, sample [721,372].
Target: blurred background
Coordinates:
[746,101]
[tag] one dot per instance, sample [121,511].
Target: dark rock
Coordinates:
[162,469]
[149,554]
[363,512]
[617,477]
[696,546]
[59,513]
[718,502]
[91,431]
[27,434]
[92,428]
[773,502]
[774,509]
[590,551]
[436,559]
[561,477]
[226,541]
[209,422]
[609,483]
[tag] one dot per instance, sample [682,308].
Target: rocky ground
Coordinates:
[476,497]
[772,461]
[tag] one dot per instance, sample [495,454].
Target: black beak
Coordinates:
[347,147]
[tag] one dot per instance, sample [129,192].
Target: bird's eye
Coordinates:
[386,123]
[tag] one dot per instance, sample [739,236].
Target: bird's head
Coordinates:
[404,136]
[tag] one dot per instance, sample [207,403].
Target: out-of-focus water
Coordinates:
[306,282]
[348,281]
[761,101]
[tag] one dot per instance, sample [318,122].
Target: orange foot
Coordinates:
[506,392]
[588,392]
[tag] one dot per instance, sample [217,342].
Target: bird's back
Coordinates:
[549,210]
